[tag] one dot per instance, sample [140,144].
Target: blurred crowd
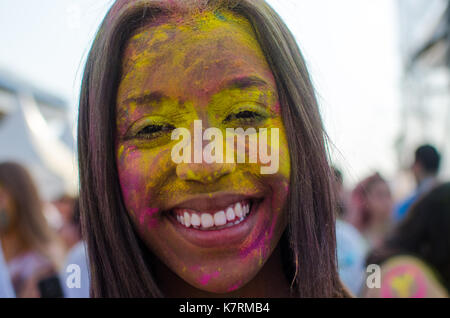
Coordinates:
[408,241]
[35,251]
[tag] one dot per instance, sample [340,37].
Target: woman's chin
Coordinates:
[230,276]
[221,285]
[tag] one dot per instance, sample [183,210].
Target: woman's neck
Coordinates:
[269,282]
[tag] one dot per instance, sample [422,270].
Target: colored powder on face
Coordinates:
[220,16]
[260,245]
[150,213]
[256,244]
[184,38]
[207,277]
[120,151]
[194,268]
[235,286]
[139,82]
[127,153]
[277,108]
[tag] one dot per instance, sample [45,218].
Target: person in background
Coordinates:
[415,259]
[30,248]
[77,256]
[6,289]
[69,231]
[371,208]
[351,248]
[425,170]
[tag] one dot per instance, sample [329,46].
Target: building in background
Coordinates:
[35,130]
[424,45]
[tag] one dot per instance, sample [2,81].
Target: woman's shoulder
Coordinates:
[409,276]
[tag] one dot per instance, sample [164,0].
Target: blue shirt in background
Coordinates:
[351,254]
[6,289]
[403,207]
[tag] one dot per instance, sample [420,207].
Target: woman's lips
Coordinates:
[205,232]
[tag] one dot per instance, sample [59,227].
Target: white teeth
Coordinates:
[238,210]
[207,220]
[220,218]
[187,219]
[195,219]
[230,214]
[233,215]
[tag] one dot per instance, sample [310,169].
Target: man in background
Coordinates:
[425,170]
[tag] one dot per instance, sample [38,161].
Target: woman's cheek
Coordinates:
[285,159]
[260,247]
[279,184]
[140,171]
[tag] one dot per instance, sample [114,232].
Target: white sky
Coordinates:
[350,47]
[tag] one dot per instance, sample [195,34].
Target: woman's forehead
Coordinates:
[191,59]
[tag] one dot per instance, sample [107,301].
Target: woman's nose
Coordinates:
[205,173]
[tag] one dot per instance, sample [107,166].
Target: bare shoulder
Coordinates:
[406,276]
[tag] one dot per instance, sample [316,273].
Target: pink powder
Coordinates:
[149,212]
[207,277]
[234,287]
[259,243]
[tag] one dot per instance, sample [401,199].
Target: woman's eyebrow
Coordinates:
[245,82]
[153,97]
[146,99]
[235,83]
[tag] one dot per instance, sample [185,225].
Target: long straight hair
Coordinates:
[118,259]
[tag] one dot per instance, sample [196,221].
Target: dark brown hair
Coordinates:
[118,263]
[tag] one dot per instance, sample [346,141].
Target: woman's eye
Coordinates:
[153,131]
[244,116]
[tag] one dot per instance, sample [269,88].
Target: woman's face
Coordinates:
[213,224]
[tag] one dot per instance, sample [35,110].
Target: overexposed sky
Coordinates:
[350,47]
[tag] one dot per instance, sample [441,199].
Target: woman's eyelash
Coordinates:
[154,129]
[244,115]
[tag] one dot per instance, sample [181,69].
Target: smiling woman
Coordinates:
[156,227]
